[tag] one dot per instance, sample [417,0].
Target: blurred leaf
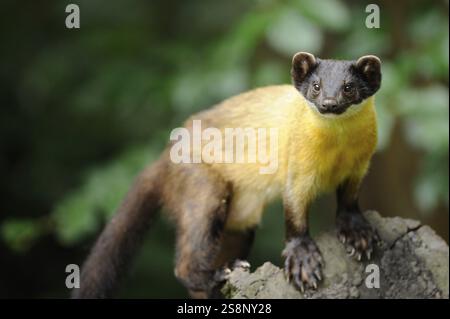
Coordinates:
[191,92]
[291,32]
[229,82]
[426,117]
[363,41]
[239,45]
[385,102]
[432,184]
[426,126]
[393,80]
[270,73]
[331,14]
[20,234]
[426,195]
[385,121]
[224,73]
[424,27]
[81,211]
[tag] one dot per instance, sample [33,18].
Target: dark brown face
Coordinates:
[332,85]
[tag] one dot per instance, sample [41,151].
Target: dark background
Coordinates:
[83,110]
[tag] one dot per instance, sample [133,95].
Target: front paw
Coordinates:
[358,236]
[303,263]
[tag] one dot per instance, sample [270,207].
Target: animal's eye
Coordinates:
[316,87]
[348,88]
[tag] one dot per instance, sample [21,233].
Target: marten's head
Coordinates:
[333,86]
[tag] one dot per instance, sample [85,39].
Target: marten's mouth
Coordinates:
[336,110]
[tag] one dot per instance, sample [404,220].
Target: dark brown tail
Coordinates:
[111,254]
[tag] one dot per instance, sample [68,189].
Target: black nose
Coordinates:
[329,103]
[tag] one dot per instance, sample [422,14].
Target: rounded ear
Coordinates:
[302,64]
[369,67]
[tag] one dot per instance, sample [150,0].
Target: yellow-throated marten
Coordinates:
[327,134]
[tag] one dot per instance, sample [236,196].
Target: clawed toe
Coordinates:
[243,264]
[303,263]
[222,275]
[357,235]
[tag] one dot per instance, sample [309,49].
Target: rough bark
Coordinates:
[413,263]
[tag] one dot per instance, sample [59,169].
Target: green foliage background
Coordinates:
[82,111]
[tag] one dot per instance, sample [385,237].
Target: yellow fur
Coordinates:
[315,153]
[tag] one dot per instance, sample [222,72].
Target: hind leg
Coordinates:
[200,207]
[235,247]
[233,252]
